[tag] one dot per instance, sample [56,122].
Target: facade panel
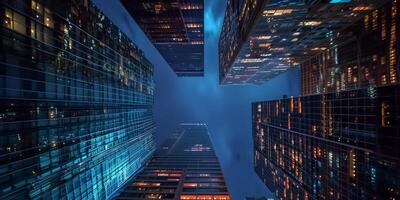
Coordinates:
[184,167]
[76,100]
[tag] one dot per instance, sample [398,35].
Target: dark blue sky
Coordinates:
[225,109]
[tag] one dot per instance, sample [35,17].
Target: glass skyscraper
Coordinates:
[176,28]
[340,139]
[76,100]
[340,145]
[184,167]
[261,39]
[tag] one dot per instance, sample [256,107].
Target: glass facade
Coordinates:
[340,145]
[76,100]
[176,28]
[363,55]
[340,139]
[262,39]
[184,167]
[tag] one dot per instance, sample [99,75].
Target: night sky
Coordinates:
[225,109]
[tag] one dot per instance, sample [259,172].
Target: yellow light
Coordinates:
[277,12]
[310,23]
[265,45]
[361,8]
[262,37]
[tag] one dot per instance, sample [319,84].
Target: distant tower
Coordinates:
[184,167]
[176,28]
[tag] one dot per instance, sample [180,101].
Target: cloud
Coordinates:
[212,23]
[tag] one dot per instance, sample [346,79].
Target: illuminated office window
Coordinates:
[386,114]
[15,21]
[393,41]
[48,18]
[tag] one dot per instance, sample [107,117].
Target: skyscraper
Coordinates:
[262,39]
[184,167]
[76,100]
[340,145]
[362,55]
[340,139]
[176,28]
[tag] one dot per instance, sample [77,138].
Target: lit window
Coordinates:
[262,37]
[14,21]
[385,114]
[188,197]
[48,19]
[361,8]
[193,25]
[310,23]
[277,12]
[264,45]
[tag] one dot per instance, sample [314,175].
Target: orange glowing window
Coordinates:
[184,196]
[352,163]
[291,104]
[190,184]
[277,12]
[300,106]
[194,25]
[265,45]
[222,197]
[205,197]
[262,37]
[361,8]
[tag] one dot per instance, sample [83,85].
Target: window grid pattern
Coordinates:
[76,102]
[332,146]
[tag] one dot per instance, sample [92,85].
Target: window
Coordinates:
[14,21]
[48,19]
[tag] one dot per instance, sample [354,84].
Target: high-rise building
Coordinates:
[340,139]
[176,28]
[76,100]
[364,54]
[342,145]
[184,167]
[261,39]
